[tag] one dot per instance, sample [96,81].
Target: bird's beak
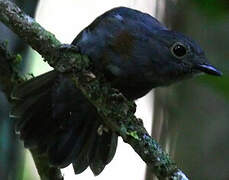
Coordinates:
[209,69]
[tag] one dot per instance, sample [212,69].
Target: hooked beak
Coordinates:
[209,69]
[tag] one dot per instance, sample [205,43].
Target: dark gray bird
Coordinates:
[136,53]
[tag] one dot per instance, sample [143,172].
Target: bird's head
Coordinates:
[178,57]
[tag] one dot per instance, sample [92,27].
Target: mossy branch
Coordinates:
[117,112]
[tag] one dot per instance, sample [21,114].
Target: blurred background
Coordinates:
[189,119]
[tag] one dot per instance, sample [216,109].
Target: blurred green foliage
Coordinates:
[220,85]
[213,8]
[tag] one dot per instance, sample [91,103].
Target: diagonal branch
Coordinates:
[117,112]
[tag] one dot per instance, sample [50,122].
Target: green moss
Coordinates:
[134,135]
[17,59]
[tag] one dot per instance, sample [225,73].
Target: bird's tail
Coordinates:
[54,117]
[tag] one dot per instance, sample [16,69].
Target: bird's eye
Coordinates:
[178,50]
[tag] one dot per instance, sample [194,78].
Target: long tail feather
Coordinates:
[54,117]
[103,153]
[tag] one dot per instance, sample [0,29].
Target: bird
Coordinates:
[135,53]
